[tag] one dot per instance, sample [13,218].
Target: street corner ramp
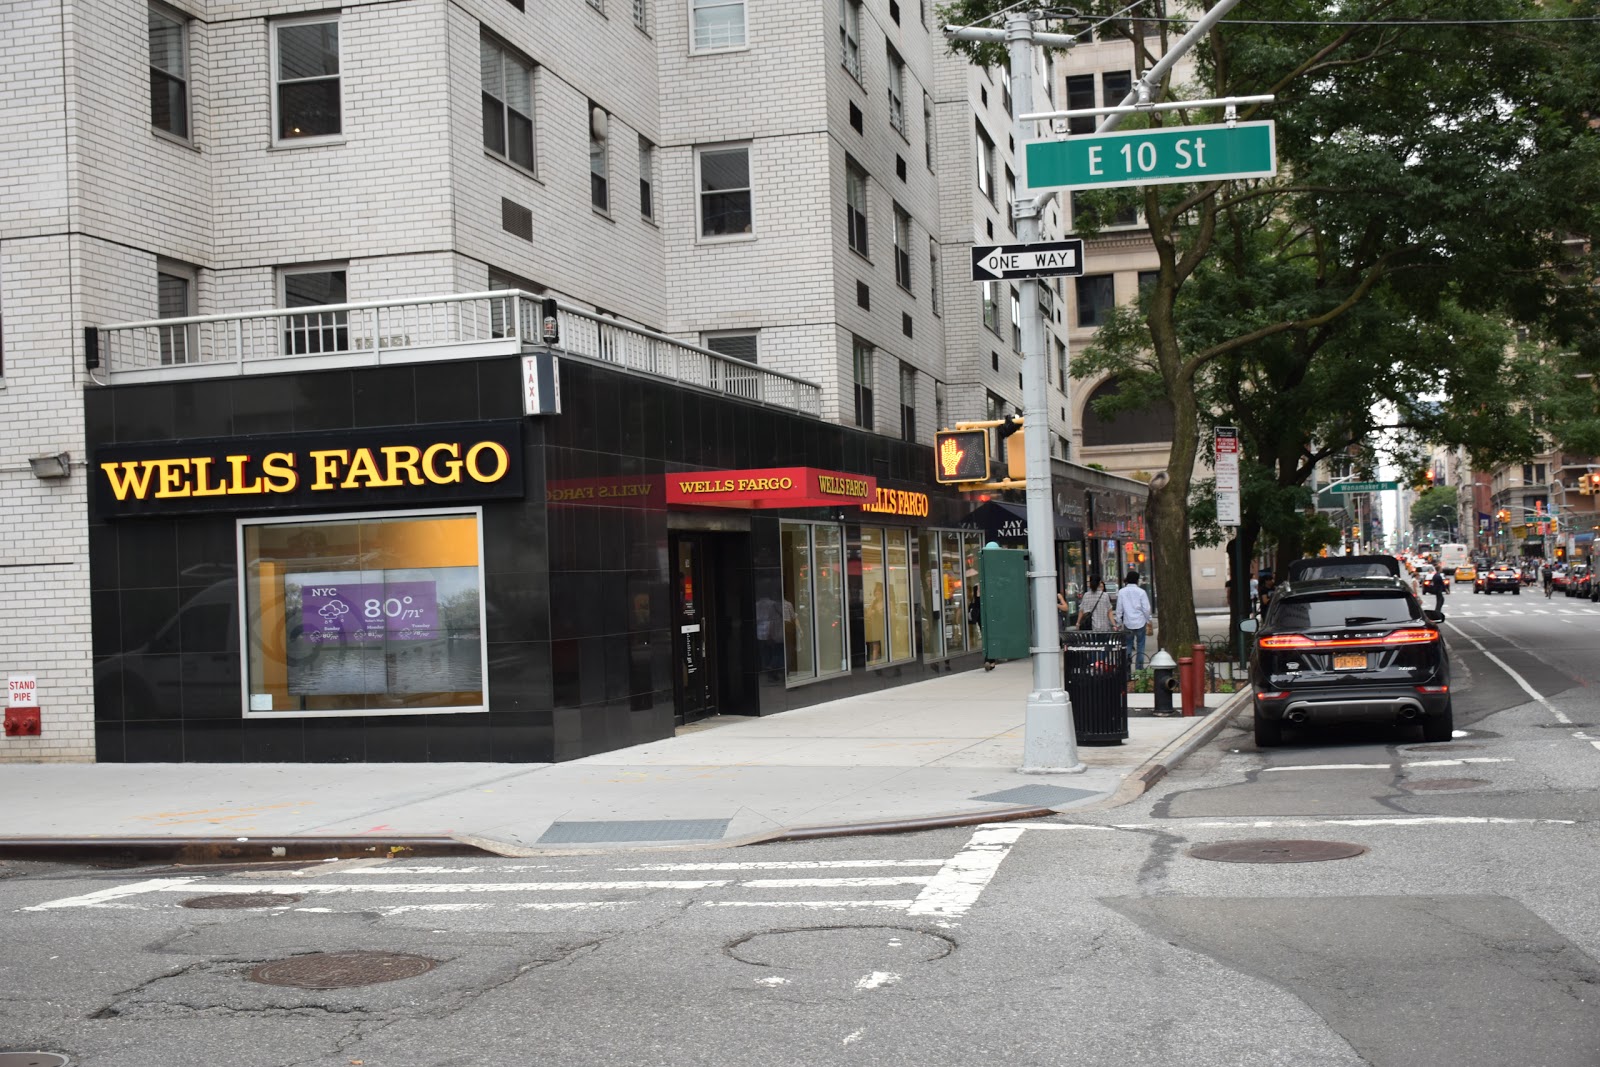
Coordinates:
[1043,796]
[634,831]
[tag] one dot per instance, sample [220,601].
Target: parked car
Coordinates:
[1350,648]
[1558,577]
[1578,580]
[1501,578]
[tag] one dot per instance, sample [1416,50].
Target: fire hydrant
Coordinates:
[1165,682]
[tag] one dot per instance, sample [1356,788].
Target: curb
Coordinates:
[229,849]
[1152,770]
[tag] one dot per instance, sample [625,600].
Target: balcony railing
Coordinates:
[431,328]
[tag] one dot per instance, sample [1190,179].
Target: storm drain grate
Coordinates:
[340,970]
[1445,783]
[32,1059]
[1045,796]
[1277,851]
[568,833]
[241,900]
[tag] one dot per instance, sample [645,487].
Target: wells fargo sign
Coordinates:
[398,466]
[898,502]
[771,487]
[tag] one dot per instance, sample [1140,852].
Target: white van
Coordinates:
[1451,556]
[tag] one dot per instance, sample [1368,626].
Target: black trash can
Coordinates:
[1095,669]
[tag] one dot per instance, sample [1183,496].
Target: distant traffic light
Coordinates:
[960,456]
[1430,475]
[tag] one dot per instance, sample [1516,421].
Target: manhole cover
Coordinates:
[32,1059]
[1272,851]
[1446,783]
[241,900]
[833,947]
[338,970]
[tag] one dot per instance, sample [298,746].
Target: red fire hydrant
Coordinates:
[22,722]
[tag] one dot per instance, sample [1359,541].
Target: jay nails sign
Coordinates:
[399,465]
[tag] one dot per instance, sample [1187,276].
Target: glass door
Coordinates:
[692,647]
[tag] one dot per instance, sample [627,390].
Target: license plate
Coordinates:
[1350,662]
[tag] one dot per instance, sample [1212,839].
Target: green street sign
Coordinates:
[1151,157]
[1362,487]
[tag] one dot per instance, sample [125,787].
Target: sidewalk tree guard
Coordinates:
[1364,251]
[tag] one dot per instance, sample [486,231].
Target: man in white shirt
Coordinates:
[1133,612]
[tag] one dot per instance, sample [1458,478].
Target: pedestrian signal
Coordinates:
[960,456]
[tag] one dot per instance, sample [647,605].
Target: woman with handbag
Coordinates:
[1095,611]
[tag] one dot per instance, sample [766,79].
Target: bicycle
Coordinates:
[1549,588]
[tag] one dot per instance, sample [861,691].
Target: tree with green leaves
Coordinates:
[1432,171]
[1435,508]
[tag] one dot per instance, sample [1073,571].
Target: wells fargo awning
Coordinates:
[771,487]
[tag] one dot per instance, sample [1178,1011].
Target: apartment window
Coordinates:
[647,174]
[371,614]
[169,72]
[1096,296]
[855,196]
[994,406]
[318,331]
[737,344]
[902,248]
[1148,278]
[1100,208]
[305,63]
[1005,91]
[850,36]
[1016,321]
[938,404]
[717,24]
[908,402]
[862,357]
[991,307]
[1080,95]
[599,161]
[985,165]
[927,130]
[1115,85]
[175,285]
[1061,366]
[897,92]
[933,276]
[641,15]
[725,195]
[507,103]
[1011,197]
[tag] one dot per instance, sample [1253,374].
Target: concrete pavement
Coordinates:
[943,750]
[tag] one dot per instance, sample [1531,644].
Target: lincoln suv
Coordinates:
[1350,649]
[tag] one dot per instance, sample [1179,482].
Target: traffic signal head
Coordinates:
[1561,552]
[960,456]
[1430,475]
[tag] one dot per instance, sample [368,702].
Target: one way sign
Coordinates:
[1046,259]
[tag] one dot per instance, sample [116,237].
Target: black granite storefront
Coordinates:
[576,573]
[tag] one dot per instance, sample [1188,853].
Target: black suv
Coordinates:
[1349,648]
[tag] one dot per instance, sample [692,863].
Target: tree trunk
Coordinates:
[1167,516]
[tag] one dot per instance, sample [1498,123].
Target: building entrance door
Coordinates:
[694,629]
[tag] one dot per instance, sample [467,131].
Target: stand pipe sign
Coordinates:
[1151,157]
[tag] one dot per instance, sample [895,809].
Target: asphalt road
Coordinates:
[1465,934]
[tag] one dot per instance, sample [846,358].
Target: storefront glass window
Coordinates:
[899,596]
[815,642]
[363,615]
[932,597]
[875,610]
[954,592]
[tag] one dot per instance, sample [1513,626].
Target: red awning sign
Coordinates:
[771,487]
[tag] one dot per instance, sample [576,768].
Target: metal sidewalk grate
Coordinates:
[569,833]
[1045,796]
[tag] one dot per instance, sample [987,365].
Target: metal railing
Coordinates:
[452,326]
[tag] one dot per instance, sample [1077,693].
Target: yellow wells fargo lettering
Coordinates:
[898,502]
[713,485]
[444,463]
[832,483]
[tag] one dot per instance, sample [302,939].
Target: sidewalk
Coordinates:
[946,749]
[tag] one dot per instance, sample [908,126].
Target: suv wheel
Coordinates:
[1442,727]
[1269,732]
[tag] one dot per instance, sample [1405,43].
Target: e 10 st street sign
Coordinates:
[1151,157]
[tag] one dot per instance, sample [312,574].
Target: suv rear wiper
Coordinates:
[1357,620]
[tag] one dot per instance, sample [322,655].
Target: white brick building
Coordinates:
[793,183]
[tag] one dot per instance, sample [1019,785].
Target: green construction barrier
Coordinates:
[1003,603]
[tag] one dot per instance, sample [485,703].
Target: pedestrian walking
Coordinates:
[1133,612]
[1438,587]
[1096,611]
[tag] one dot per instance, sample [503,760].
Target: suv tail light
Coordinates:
[1398,637]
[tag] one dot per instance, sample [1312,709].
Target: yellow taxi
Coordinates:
[1467,577]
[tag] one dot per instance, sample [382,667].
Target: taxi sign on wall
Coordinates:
[961,456]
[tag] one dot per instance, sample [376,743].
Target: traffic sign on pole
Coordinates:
[1042,259]
[1362,487]
[1151,157]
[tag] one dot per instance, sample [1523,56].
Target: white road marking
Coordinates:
[898,905]
[1420,820]
[390,867]
[834,883]
[854,1035]
[100,897]
[877,980]
[965,875]
[1389,766]
[1560,716]
[772,980]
